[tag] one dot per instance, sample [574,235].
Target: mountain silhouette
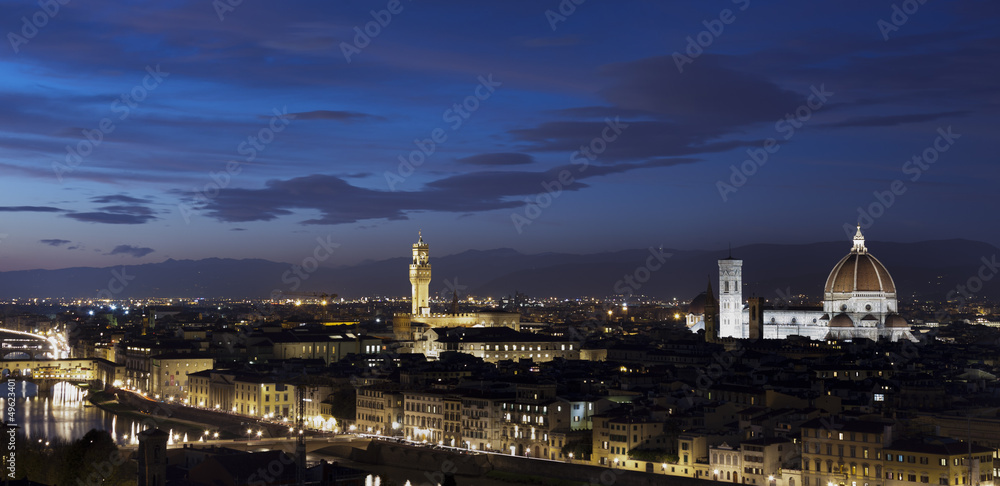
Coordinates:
[924,270]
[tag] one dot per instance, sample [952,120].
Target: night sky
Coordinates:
[133,132]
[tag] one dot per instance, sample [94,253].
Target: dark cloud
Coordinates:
[706,94]
[664,113]
[341,116]
[117,213]
[498,185]
[55,242]
[893,120]
[502,158]
[119,198]
[111,218]
[133,251]
[340,202]
[132,210]
[29,209]
[638,140]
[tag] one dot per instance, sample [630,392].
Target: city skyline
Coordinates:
[136,134]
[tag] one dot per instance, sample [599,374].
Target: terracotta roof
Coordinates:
[859,272]
[896,320]
[841,320]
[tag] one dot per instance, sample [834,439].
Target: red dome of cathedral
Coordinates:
[859,271]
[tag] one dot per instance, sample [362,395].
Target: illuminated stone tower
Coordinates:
[731,298]
[420,278]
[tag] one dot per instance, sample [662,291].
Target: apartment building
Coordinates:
[939,461]
[726,463]
[168,373]
[763,460]
[423,415]
[263,396]
[379,409]
[844,452]
[615,435]
[452,423]
[481,418]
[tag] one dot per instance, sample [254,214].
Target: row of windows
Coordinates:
[526,408]
[829,434]
[422,407]
[852,450]
[497,356]
[824,482]
[841,468]
[727,459]
[525,419]
[513,347]
[188,365]
[423,422]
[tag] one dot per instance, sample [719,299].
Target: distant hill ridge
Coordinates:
[928,269]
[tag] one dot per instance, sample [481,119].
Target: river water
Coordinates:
[64,413]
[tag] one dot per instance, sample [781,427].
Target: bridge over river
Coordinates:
[24,345]
[94,372]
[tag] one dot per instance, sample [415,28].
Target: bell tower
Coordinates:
[420,278]
[731,298]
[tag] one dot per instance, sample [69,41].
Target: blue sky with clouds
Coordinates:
[245,131]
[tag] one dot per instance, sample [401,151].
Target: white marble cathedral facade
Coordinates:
[859,301]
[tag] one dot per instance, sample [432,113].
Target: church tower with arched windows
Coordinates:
[731,298]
